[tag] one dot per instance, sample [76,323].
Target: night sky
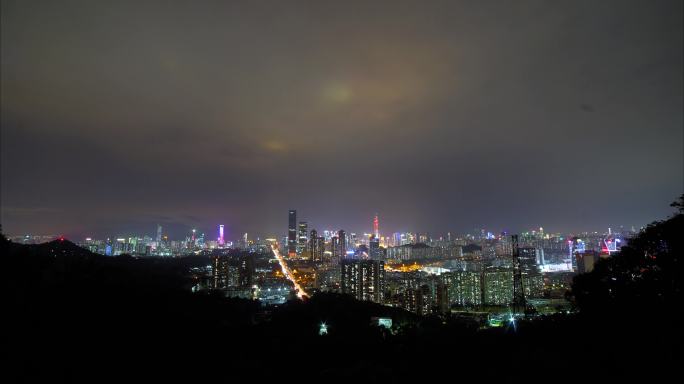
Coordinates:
[439,116]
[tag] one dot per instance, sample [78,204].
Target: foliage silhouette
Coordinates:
[644,278]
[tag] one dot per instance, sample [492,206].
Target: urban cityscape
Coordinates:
[490,277]
[352,191]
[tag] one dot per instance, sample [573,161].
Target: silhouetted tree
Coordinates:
[644,276]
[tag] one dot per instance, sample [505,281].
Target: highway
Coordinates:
[288,274]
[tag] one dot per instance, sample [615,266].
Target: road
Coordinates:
[288,274]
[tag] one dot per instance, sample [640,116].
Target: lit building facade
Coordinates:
[374,250]
[302,237]
[363,279]
[465,287]
[533,284]
[498,286]
[422,251]
[316,246]
[341,246]
[292,233]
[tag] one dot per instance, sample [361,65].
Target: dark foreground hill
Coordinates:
[73,316]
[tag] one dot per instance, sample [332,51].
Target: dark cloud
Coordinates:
[440,116]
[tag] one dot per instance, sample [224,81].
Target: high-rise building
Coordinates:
[218,272]
[302,237]
[528,257]
[374,250]
[423,238]
[233,271]
[316,246]
[540,257]
[441,296]
[396,240]
[363,279]
[312,244]
[159,234]
[292,233]
[221,240]
[246,270]
[376,227]
[418,300]
[335,250]
[498,286]
[533,284]
[465,287]
[416,251]
[341,244]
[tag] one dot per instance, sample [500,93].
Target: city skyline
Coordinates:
[443,116]
[481,189]
[179,231]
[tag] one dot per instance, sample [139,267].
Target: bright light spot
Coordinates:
[511,319]
[338,93]
[274,146]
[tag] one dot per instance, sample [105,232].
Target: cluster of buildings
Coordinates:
[160,245]
[415,271]
[427,275]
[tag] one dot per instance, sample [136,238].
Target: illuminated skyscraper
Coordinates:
[363,279]
[221,240]
[312,243]
[302,237]
[335,250]
[292,233]
[316,246]
[376,226]
[396,239]
[374,250]
[159,234]
[418,299]
[341,244]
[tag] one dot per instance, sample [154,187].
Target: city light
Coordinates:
[193,190]
[288,274]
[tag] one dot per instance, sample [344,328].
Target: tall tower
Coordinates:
[302,238]
[313,244]
[221,240]
[376,226]
[335,250]
[316,245]
[292,233]
[159,233]
[342,244]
